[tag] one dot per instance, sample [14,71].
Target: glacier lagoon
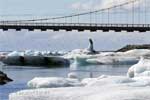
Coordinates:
[21,75]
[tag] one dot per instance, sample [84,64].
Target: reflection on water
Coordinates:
[21,75]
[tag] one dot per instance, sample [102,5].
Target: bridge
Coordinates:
[130,16]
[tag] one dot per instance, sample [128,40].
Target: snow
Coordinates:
[73,75]
[142,68]
[53,82]
[137,52]
[35,53]
[81,57]
[134,86]
[15,53]
[101,88]
[103,59]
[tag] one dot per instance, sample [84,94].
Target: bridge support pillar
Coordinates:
[142,30]
[18,29]
[44,29]
[31,29]
[105,30]
[93,30]
[117,30]
[5,29]
[68,30]
[80,30]
[130,30]
[55,30]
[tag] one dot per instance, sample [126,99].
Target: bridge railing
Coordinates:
[71,24]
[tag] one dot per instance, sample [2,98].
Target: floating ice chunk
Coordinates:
[15,53]
[73,75]
[112,60]
[38,53]
[87,81]
[53,82]
[109,80]
[81,58]
[142,68]
[102,88]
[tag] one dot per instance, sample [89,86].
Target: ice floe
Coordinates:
[134,86]
[35,58]
[15,53]
[53,82]
[84,57]
[101,88]
[129,57]
[142,68]
[36,53]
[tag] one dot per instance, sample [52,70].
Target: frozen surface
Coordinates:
[81,57]
[101,88]
[134,86]
[53,82]
[142,68]
[84,57]
[35,53]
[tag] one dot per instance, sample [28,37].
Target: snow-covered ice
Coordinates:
[83,57]
[142,68]
[134,86]
[101,88]
[53,82]
[35,53]
[129,57]
[15,53]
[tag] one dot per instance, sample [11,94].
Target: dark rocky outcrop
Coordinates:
[35,61]
[4,79]
[131,47]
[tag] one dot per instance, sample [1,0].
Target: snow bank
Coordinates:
[53,82]
[101,88]
[142,68]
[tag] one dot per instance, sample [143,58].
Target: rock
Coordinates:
[131,47]
[4,79]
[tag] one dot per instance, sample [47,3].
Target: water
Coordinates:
[21,75]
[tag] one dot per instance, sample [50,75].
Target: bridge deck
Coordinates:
[74,26]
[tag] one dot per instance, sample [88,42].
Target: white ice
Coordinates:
[142,68]
[101,88]
[134,86]
[80,57]
[15,53]
[53,82]
[35,53]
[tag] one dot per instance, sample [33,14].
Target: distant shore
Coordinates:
[131,47]
[123,49]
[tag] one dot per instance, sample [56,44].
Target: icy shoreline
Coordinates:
[104,88]
[136,85]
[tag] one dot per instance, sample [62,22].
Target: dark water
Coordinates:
[21,75]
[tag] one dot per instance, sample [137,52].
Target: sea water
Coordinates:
[21,75]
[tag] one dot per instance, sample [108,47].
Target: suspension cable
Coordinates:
[75,15]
